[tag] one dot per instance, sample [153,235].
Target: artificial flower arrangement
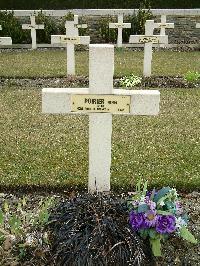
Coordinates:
[156,215]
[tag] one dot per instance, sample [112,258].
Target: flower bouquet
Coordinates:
[156,215]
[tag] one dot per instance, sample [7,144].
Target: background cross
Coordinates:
[120,25]
[33,27]
[148,39]
[70,39]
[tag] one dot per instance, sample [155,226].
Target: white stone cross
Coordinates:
[100,101]
[119,25]
[148,39]
[164,25]
[5,40]
[70,39]
[33,27]
[198,25]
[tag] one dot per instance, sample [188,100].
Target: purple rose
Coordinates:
[165,224]
[137,221]
[150,218]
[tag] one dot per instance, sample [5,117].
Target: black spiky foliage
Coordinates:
[94,230]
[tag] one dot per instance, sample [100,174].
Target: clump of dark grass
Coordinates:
[94,230]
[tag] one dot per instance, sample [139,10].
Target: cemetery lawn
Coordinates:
[52,63]
[52,150]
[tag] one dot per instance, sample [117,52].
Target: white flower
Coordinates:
[180,222]
[30,240]
[161,203]
[142,200]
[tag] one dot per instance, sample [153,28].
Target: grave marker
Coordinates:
[148,39]
[5,40]
[33,27]
[198,25]
[70,39]
[164,25]
[100,101]
[120,25]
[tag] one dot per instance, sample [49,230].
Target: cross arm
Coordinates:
[26,26]
[59,101]
[148,39]
[39,27]
[5,41]
[81,26]
[63,39]
[119,25]
[164,25]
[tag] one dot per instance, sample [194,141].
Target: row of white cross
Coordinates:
[120,25]
[72,38]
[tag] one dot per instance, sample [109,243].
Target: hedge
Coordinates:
[69,4]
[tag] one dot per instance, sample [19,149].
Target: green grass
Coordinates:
[52,63]
[52,150]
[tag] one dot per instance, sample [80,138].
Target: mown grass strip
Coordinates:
[52,63]
[52,150]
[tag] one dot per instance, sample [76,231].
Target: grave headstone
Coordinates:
[164,25]
[148,39]
[120,25]
[198,25]
[5,40]
[100,101]
[70,39]
[33,27]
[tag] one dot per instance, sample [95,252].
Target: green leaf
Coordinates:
[185,234]
[152,194]
[15,224]
[161,193]
[156,247]
[6,206]
[163,212]
[153,234]
[24,201]
[143,208]
[1,217]
[145,188]
[144,233]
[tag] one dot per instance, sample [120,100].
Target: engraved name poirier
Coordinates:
[99,103]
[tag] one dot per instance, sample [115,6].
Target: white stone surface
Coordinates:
[5,41]
[149,28]
[33,27]
[198,25]
[153,38]
[101,70]
[119,26]
[62,39]
[70,39]
[58,100]
[103,12]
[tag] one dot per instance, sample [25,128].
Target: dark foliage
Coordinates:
[69,4]
[94,230]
